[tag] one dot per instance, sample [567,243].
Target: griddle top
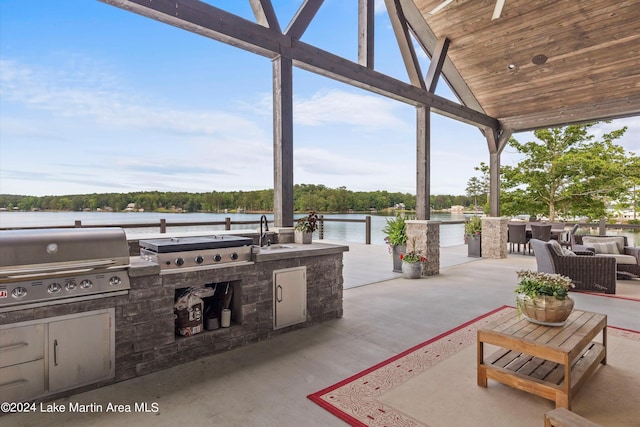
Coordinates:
[196,243]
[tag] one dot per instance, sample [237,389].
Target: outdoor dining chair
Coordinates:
[541,232]
[517,235]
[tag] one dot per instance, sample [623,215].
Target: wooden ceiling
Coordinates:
[592,50]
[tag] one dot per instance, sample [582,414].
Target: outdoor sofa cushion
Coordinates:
[559,250]
[590,240]
[605,248]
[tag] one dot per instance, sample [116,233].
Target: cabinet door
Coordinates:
[22,381]
[21,344]
[289,297]
[81,350]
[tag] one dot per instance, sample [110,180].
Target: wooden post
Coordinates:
[163,225]
[282,142]
[367,223]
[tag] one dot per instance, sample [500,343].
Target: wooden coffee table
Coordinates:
[549,361]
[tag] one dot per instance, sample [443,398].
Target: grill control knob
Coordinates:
[179,261]
[217,258]
[115,281]
[71,285]
[54,287]
[19,292]
[199,259]
[86,284]
[234,256]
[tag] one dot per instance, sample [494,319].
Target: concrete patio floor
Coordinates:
[266,384]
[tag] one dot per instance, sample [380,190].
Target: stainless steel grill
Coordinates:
[44,266]
[193,253]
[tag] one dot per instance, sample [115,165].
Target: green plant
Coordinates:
[308,223]
[396,231]
[412,256]
[473,225]
[534,284]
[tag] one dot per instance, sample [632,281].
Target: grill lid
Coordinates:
[62,247]
[180,244]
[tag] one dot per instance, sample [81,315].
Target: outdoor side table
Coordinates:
[548,361]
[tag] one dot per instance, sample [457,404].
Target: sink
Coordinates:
[276,246]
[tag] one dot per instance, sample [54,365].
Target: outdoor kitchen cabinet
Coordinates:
[80,351]
[289,297]
[54,354]
[22,362]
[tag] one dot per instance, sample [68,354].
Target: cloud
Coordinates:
[89,92]
[371,112]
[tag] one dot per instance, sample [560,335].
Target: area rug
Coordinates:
[434,384]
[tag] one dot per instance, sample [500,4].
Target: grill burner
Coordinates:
[201,251]
[43,266]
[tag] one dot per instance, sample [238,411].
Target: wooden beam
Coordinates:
[206,20]
[437,61]
[283,142]
[399,24]
[427,39]
[265,14]
[423,164]
[366,33]
[303,18]
[607,110]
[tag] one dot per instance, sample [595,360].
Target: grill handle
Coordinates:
[35,272]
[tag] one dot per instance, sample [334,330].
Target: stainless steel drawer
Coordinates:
[22,382]
[21,344]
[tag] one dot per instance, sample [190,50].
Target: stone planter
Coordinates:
[545,310]
[474,245]
[395,253]
[411,270]
[303,237]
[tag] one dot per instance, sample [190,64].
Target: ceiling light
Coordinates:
[512,66]
[539,59]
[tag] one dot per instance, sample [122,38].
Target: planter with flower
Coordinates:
[396,240]
[305,227]
[543,298]
[412,264]
[473,236]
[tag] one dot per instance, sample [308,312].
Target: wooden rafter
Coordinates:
[437,61]
[366,33]
[209,21]
[399,24]
[265,14]
[303,18]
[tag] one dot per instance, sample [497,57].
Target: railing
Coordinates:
[602,225]
[163,224]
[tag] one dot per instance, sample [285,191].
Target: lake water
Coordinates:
[450,234]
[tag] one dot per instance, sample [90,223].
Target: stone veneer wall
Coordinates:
[426,235]
[494,237]
[144,326]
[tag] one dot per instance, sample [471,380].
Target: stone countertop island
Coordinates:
[145,337]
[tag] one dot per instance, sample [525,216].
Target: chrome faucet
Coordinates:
[263,233]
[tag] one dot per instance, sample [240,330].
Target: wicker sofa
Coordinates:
[627,257]
[588,272]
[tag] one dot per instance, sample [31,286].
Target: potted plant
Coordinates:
[396,239]
[305,227]
[543,298]
[473,236]
[412,263]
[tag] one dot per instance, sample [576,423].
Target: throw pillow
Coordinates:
[567,252]
[618,240]
[555,246]
[605,247]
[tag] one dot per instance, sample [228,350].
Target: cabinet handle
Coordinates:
[279,294]
[12,347]
[55,352]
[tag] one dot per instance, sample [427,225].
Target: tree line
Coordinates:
[567,172]
[306,197]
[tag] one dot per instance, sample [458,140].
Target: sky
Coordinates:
[95,99]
